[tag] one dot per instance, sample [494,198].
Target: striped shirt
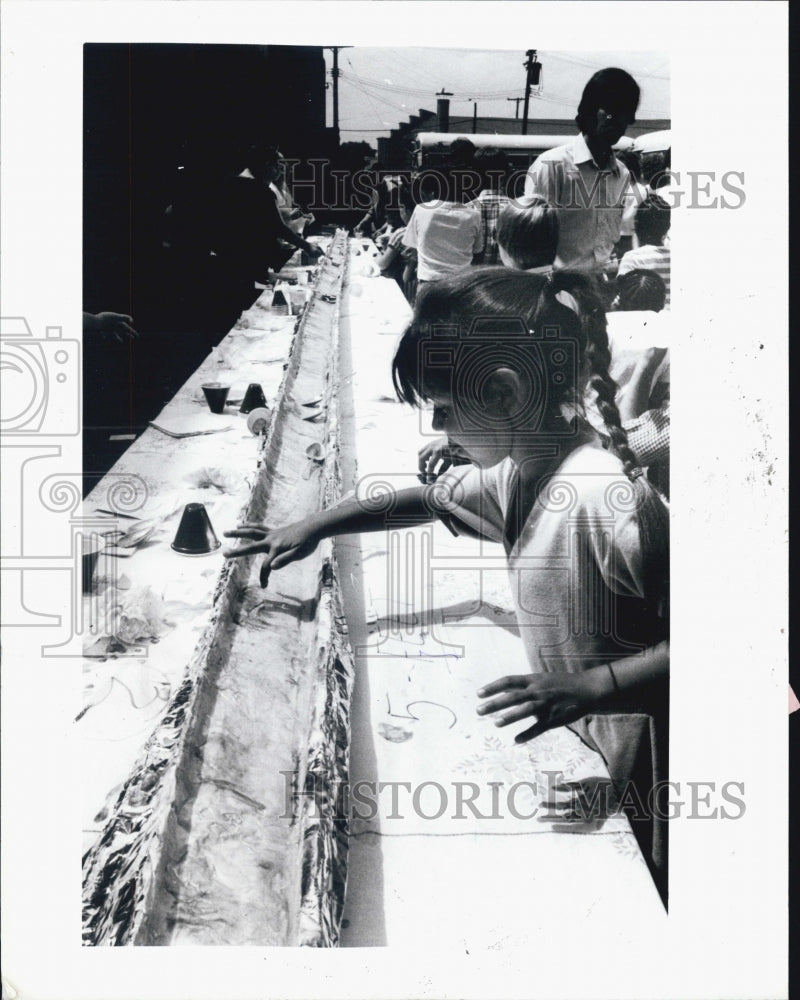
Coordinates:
[649,258]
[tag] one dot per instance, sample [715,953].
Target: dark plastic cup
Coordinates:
[195,535]
[280,304]
[216,393]
[253,398]
[91,550]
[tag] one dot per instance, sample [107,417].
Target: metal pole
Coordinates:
[516,101]
[474,117]
[335,75]
[528,64]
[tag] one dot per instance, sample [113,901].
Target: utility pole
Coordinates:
[474,117]
[516,101]
[532,71]
[335,77]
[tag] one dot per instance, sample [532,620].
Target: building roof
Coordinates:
[463,125]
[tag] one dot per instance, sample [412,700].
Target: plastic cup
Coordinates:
[253,398]
[216,394]
[195,535]
[280,303]
[298,297]
[91,550]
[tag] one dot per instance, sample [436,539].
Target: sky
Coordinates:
[381,87]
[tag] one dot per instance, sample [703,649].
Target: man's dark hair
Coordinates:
[433,184]
[628,158]
[493,166]
[641,289]
[612,89]
[462,152]
[446,182]
[652,221]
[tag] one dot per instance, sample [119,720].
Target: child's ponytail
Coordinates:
[652,511]
[597,359]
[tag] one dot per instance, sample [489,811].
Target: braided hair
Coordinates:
[597,361]
[650,505]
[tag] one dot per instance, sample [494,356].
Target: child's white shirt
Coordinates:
[446,236]
[576,570]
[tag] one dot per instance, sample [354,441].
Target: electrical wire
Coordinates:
[597,66]
[392,88]
[364,85]
[409,65]
[376,97]
[369,98]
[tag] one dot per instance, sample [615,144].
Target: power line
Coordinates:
[363,86]
[410,65]
[392,88]
[369,98]
[374,84]
[361,90]
[596,66]
[482,96]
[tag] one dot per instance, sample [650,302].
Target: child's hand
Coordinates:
[435,453]
[436,458]
[555,699]
[281,545]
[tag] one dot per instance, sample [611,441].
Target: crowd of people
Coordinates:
[541,449]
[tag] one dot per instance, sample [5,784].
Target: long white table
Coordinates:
[430,623]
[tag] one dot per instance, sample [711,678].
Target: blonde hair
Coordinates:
[527,231]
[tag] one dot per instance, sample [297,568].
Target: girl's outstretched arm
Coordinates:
[560,698]
[297,540]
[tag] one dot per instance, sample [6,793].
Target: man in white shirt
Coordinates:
[583,179]
[446,234]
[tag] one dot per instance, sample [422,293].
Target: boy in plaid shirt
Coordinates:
[493,166]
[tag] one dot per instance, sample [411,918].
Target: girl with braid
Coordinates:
[506,358]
